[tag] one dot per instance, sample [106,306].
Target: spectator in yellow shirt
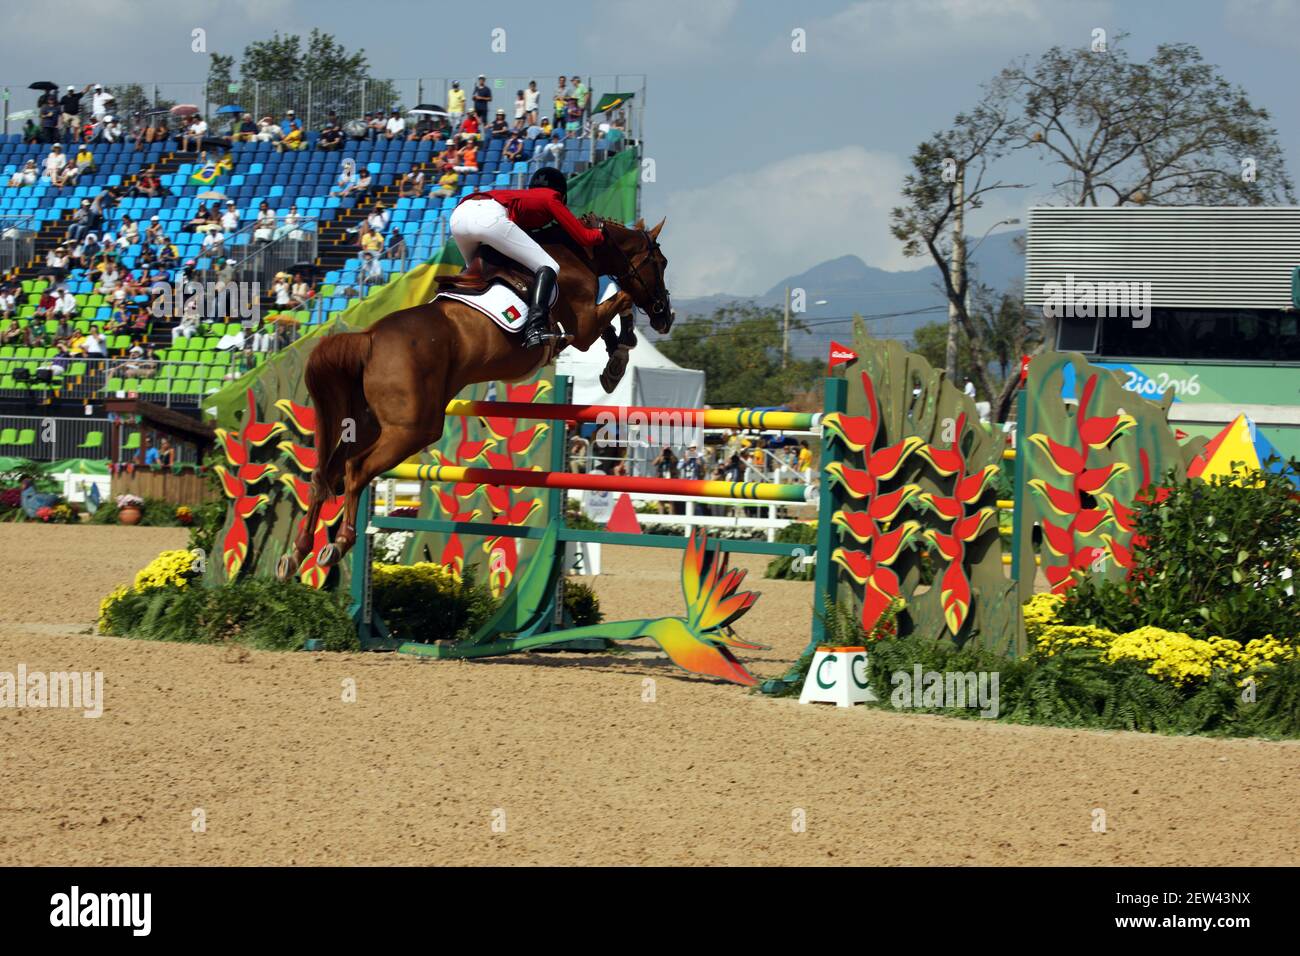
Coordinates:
[455,104]
[447,183]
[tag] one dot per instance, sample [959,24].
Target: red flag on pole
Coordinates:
[840,355]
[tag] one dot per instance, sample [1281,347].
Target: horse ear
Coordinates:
[640,224]
[654,233]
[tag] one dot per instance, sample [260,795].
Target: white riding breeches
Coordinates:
[485,222]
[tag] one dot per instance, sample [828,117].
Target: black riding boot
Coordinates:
[537,324]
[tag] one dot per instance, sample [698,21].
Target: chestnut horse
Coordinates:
[393,380]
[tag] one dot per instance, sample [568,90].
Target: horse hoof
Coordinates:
[327,556]
[285,567]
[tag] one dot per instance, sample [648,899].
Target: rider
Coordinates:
[498,219]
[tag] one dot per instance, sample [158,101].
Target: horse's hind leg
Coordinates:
[394,445]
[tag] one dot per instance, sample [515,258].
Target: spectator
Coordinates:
[262,340]
[665,466]
[331,138]
[692,466]
[55,163]
[468,158]
[293,222]
[499,125]
[154,235]
[80,222]
[572,118]
[347,176]
[552,154]
[514,148]
[186,327]
[455,103]
[293,141]
[379,218]
[395,126]
[192,141]
[482,100]
[361,188]
[65,306]
[264,231]
[8,302]
[245,131]
[370,240]
[412,184]
[93,344]
[99,102]
[301,294]
[531,97]
[268,131]
[214,244]
[166,453]
[230,218]
[291,122]
[128,233]
[281,290]
[371,272]
[521,110]
[70,114]
[396,248]
[544,130]
[56,264]
[26,176]
[558,101]
[48,111]
[579,92]
[85,159]
[447,182]
[31,132]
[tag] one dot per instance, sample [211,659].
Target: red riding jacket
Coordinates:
[535,208]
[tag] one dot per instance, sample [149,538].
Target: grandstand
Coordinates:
[178,373]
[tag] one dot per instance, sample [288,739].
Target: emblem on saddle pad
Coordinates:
[499,302]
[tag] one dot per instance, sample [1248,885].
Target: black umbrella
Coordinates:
[303,267]
[428,108]
[43,85]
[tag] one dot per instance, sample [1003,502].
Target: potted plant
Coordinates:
[184,516]
[130,509]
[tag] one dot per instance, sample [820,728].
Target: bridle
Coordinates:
[658,300]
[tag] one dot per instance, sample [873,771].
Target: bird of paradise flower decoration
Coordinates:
[1077,520]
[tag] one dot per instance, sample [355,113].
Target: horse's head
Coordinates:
[639,266]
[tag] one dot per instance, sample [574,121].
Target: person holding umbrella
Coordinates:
[49,113]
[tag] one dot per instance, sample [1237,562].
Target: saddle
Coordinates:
[488,266]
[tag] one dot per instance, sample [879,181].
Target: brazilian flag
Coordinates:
[612,101]
[211,172]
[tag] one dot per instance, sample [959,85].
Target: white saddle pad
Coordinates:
[498,302]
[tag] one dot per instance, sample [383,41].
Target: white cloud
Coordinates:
[885,29]
[660,30]
[1273,23]
[747,231]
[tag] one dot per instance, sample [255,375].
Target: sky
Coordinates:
[767,161]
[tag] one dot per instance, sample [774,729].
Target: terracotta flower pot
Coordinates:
[129,515]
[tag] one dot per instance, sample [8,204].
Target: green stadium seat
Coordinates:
[26,437]
[92,441]
[146,386]
[77,368]
[6,351]
[222,358]
[22,352]
[114,385]
[132,442]
[185,371]
[121,341]
[9,436]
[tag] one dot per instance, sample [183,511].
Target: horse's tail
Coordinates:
[333,377]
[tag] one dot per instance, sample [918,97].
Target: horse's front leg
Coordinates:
[619,346]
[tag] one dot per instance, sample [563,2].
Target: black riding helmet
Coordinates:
[548,177]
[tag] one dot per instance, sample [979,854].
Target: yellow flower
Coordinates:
[170,567]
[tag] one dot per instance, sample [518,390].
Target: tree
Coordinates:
[951,174]
[1007,331]
[220,79]
[280,74]
[1171,131]
[739,350]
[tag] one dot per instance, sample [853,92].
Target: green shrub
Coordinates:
[425,602]
[257,613]
[784,566]
[1212,564]
[581,604]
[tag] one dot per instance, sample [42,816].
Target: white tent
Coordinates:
[650,379]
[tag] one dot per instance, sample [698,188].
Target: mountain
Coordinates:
[893,303]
